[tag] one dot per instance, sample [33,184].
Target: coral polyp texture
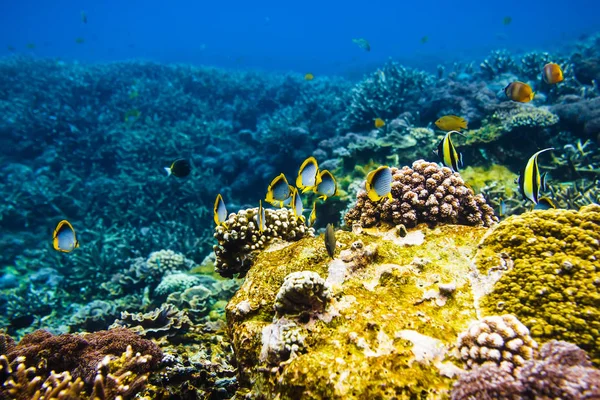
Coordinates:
[302,291]
[239,239]
[162,322]
[552,274]
[424,193]
[502,340]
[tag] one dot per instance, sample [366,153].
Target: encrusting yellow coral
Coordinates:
[552,278]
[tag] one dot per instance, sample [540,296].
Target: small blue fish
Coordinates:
[448,154]
[278,191]
[328,185]
[220,211]
[64,238]
[530,182]
[379,183]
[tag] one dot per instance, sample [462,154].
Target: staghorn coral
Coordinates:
[240,240]
[498,62]
[562,371]
[551,279]
[502,340]
[576,194]
[166,320]
[302,291]
[424,193]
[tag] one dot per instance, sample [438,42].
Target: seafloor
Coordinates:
[452,288]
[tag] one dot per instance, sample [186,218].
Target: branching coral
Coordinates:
[164,321]
[424,193]
[240,240]
[498,62]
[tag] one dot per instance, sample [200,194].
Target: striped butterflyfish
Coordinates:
[530,181]
[260,218]
[179,168]
[220,211]
[308,175]
[379,183]
[328,185]
[297,206]
[313,216]
[64,238]
[447,152]
[278,191]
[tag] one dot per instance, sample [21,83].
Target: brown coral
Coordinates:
[424,193]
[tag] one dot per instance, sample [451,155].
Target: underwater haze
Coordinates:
[307,200]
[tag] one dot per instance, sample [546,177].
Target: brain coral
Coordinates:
[424,193]
[552,280]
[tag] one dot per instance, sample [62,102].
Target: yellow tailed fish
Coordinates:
[448,154]
[544,203]
[64,238]
[379,183]
[278,191]
[327,187]
[297,206]
[313,216]
[308,175]
[220,211]
[530,181]
[260,218]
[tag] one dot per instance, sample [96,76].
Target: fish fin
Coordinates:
[532,96]
[324,197]
[307,188]
[460,160]
[224,225]
[373,196]
[389,196]
[543,181]
[168,171]
[435,152]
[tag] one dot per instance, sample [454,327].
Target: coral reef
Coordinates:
[562,371]
[240,240]
[302,291]
[497,63]
[176,283]
[424,193]
[162,322]
[582,115]
[550,283]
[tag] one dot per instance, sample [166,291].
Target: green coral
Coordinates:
[553,277]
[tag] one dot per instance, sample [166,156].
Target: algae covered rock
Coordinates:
[397,306]
[548,265]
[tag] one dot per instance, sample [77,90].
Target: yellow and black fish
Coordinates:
[220,211]
[530,181]
[278,191]
[551,73]
[64,238]
[309,77]
[260,218]
[308,175]
[330,241]
[379,123]
[451,123]
[379,184]
[544,203]
[327,186]
[312,218]
[297,206]
[448,154]
[179,168]
[519,91]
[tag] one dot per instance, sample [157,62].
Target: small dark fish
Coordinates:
[362,43]
[507,20]
[424,39]
[180,168]
[84,17]
[330,240]
[30,46]
[132,115]
[79,40]
[544,203]
[11,48]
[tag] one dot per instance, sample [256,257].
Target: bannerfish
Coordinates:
[309,77]
[278,191]
[297,206]
[519,91]
[308,175]
[530,181]
[328,185]
[330,240]
[220,211]
[551,73]
[379,184]
[362,43]
[180,168]
[313,216]
[544,203]
[451,123]
[260,218]
[379,123]
[64,238]
[448,154]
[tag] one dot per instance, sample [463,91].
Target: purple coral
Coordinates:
[563,371]
[424,193]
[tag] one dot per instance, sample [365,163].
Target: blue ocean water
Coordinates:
[299,36]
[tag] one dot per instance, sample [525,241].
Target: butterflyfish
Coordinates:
[297,206]
[328,185]
[179,168]
[362,43]
[308,175]
[451,123]
[64,238]
[220,211]
[544,203]
[278,191]
[330,240]
[552,73]
[379,183]
[313,216]
[309,77]
[519,91]
[379,123]
[530,181]
[448,154]
[260,218]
